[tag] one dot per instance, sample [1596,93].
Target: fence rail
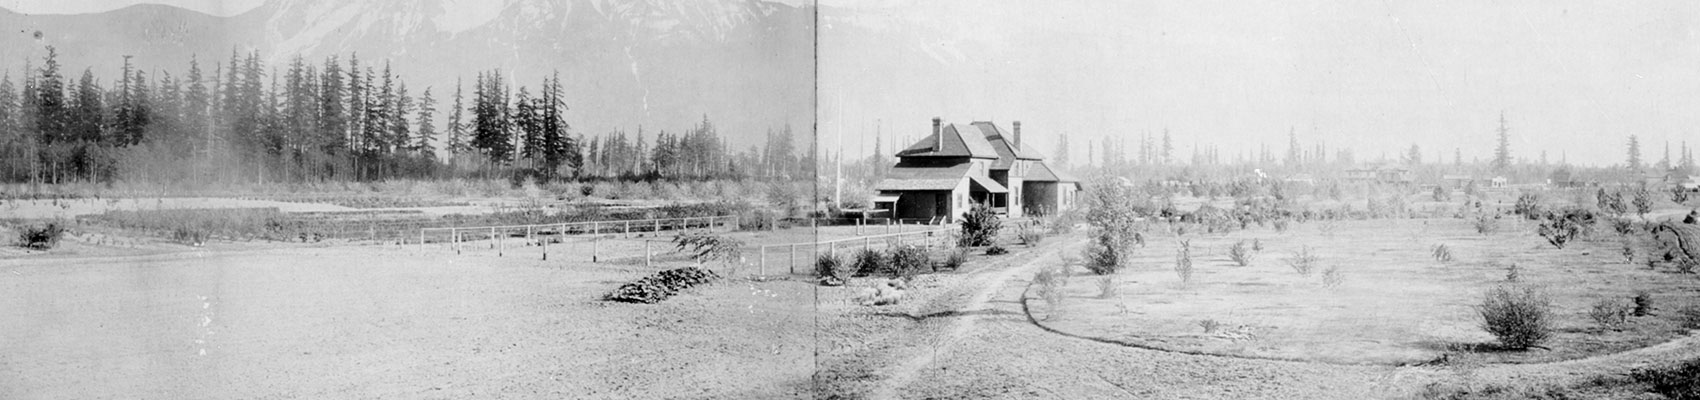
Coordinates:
[456,237]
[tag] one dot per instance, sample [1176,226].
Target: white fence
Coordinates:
[458,237]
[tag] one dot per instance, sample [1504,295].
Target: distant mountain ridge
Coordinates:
[748,64]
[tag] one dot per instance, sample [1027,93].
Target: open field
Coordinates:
[1393,303]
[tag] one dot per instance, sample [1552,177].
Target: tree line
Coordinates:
[333,120]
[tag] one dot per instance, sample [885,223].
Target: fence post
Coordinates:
[454,240]
[629,235]
[657,227]
[763,250]
[791,260]
[492,237]
[867,243]
[500,247]
[545,249]
[595,228]
[646,260]
[422,240]
[595,249]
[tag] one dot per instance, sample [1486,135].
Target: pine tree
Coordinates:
[457,142]
[427,130]
[50,105]
[1414,156]
[1168,148]
[1293,157]
[1502,153]
[1062,150]
[333,122]
[88,112]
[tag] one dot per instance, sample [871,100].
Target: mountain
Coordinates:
[746,64]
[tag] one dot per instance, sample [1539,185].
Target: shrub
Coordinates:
[661,285]
[1643,201]
[908,261]
[40,237]
[1106,287]
[707,248]
[1609,313]
[868,262]
[1050,283]
[1442,194]
[996,250]
[979,227]
[1511,274]
[1030,235]
[1623,226]
[1561,227]
[1103,255]
[195,236]
[1528,205]
[1643,304]
[1183,262]
[1486,224]
[1680,382]
[1628,252]
[1689,316]
[956,258]
[830,268]
[1209,325]
[1442,253]
[1332,277]
[1281,225]
[1304,261]
[1240,253]
[1520,317]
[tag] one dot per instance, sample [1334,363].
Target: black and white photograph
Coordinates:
[849,199]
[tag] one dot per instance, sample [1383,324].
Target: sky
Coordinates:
[214,7]
[1573,78]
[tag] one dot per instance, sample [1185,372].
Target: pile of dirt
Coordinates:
[661,285]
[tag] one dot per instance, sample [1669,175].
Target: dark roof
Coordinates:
[959,141]
[918,176]
[1007,153]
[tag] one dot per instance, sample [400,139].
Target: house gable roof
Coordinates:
[919,176]
[1007,153]
[959,141]
[1042,172]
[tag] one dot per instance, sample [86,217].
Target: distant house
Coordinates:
[958,165]
[1380,174]
[1300,178]
[1457,182]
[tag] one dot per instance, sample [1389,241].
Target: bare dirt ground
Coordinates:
[370,322]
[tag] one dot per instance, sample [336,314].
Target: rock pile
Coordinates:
[661,285]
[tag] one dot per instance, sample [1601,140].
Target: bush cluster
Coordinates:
[908,261]
[831,269]
[1103,256]
[868,262]
[1563,226]
[1241,254]
[1609,313]
[1520,317]
[40,237]
[661,285]
[979,227]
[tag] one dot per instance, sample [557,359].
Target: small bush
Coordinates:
[1050,283]
[1304,261]
[1628,251]
[1486,224]
[1106,287]
[1623,226]
[1442,253]
[1689,316]
[41,237]
[1103,256]
[908,261]
[1519,317]
[1609,313]
[831,268]
[1643,304]
[1209,325]
[1512,274]
[1240,253]
[996,250]
[1528,205]
[1332,277]
[979,227]
[956,258]
[1030,235]
[1281,225]
[1560,228]
[868,262]
[1183,262]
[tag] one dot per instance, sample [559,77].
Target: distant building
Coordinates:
[958,165]
[1380,174]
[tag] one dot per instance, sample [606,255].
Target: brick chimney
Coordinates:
[1017,125]
[938,136]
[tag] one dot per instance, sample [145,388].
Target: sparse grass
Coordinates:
[1241,254]
[1304,261]
[1520,317]
[1609,313]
